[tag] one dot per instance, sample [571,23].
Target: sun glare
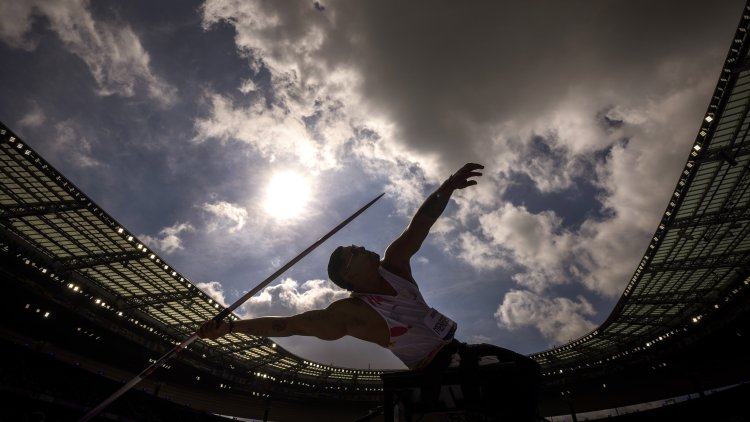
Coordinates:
[287,195]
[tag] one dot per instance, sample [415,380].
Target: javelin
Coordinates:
[223,314]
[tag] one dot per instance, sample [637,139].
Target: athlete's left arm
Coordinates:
[399,253]
[331,323]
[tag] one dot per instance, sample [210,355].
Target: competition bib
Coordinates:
[440,324]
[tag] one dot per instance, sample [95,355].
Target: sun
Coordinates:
[287,194]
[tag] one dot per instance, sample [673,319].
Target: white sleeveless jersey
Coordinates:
[416,329]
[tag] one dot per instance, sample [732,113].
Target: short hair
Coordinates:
[334,268]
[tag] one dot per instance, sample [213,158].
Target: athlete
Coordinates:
[385,306]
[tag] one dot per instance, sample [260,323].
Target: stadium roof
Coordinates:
[695,263]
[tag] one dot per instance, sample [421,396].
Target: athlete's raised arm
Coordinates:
[398,255]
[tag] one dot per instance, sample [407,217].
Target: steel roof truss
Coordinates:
[41,208]
[700,262]
[79,262]
[142,301]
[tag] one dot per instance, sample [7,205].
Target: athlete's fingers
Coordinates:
[471,167]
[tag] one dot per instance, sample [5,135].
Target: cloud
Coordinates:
[289,297]
[168,240]
[478,252]
[560,319]
[273,132]
[260,27]
[312,114]
[113,53]
[18,17]
[422,260]
[35,117]
[602,253]
[227,215]
[71,143]
[214,290]
[479,338]
[537,242]
[438,100]
[653,156]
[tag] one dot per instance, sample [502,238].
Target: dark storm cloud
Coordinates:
[443,69]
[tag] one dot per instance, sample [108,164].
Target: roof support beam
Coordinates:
[669,298]
[641,320]
[616,339]
[707,219]
[77,263]
[142,301]
[232,348]
[264,361]
[42,208]
[702,262]
[588,351]
[730,154]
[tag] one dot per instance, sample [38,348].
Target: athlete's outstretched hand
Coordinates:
[462,178]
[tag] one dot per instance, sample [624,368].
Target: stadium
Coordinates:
[87,306]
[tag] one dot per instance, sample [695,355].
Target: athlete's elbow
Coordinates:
[330,335]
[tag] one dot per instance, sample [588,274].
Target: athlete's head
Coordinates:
[336,263]
[349,265]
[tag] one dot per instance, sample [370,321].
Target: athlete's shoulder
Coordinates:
[402,271]
[347,305]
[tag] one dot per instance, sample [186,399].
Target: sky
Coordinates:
[231,134]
